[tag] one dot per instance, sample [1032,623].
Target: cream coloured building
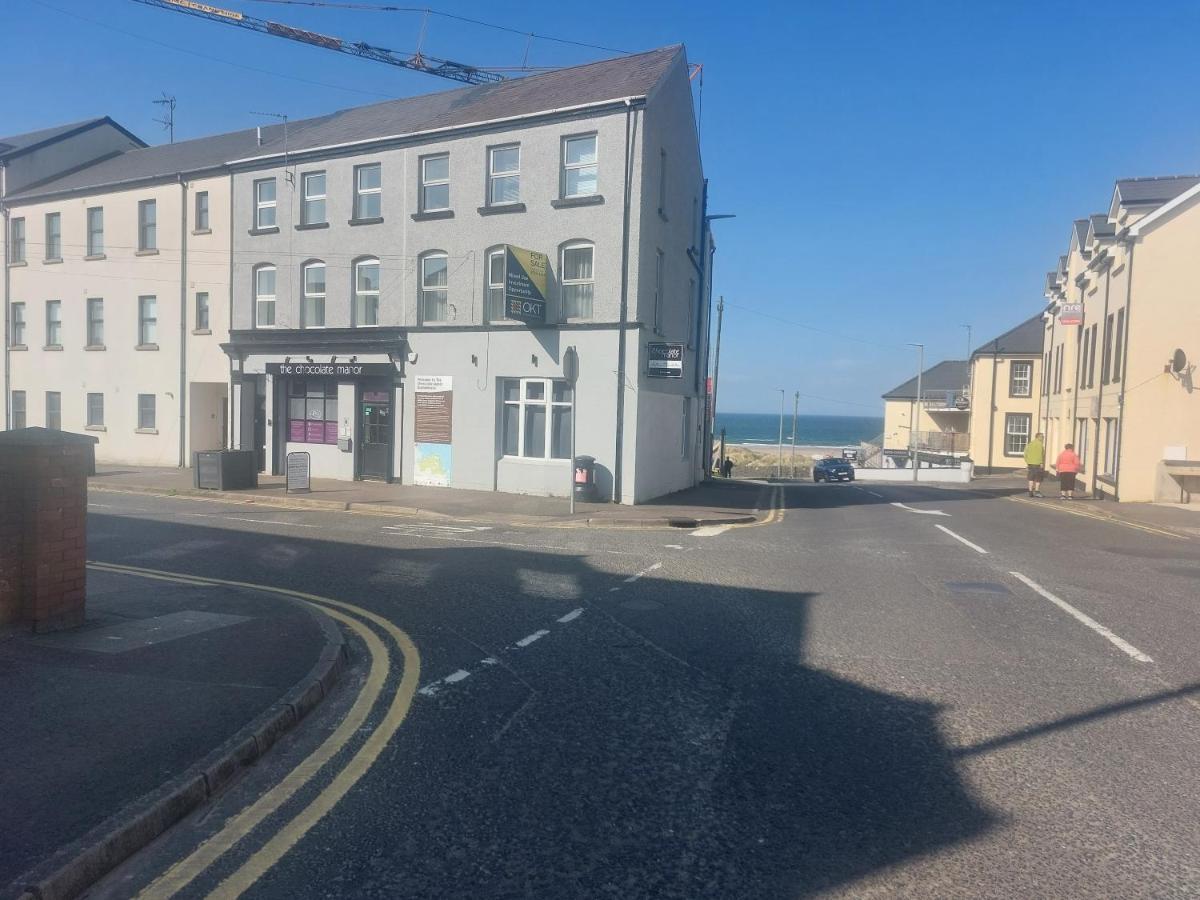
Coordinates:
[1005,397]
[941,414]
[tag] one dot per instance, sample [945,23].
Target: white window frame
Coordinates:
[203,306]
[427,182]
[315,299]
[361,296]
[55,425]
[423,288]
[16,240]
[1083,428]
[1014,380]
[53,236]
[568,167]
[151,407]
[147,225]
[20,409]
[201,212]
[261,206]
[147,307]
[360,192]
[96,422]
[1112,431]
[565,282]
[54,323]
[262,300]
[1024,421]
[307,198]
[495,177]
[496,311]
[95,235]
[17,324]
[95,323]
[522,403]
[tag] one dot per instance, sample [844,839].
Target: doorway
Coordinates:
[260,422]
[375,435]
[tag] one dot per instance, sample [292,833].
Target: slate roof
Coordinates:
[613,79]
[1080,228]
[1024,339]
[1100,227]
[948,375]
[15,145]
[1155,191]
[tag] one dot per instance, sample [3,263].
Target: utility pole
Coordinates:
[968,356]
[168,119]
[795,410]
[912,426]
[779,464]
[717,371]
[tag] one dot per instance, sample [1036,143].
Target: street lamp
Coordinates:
[912,425]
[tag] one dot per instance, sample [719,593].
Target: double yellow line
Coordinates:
[774,515]
[185,871]
[1150,529]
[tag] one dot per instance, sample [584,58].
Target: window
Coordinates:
[579,166]
[147,225]
[54,410]
[264,203]
[146,413]
[18,409]
[147,321]
[537,416]
[95,322]
[504,174]
[201,211]
[662,183]
[435,274]
[17,334]
[16,243]
[1117,342]
[53,323]
[1106,358]
[1112,428]
[435,182]
[368,192]
[659,265]
[264,297]
[312,411]
[312,204]
[1092,358]
[497,309]
[578,281]
[202,319]
[1020,378]
[95,410]
[1083,357]
[1016,433]
[1047,367]
[53,236]
[366,292]
[95,231]
[312,307]
[1081,442]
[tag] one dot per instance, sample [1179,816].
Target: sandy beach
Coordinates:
[761,459]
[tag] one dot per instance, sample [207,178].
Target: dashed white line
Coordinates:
[530,638]
[920,512]
[489,661]
[456,676]
[961,539]
[710,530]
[632,578]
[673,546]
[571,616]
[1123,645]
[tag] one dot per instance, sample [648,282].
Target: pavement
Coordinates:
[710,503]
[115,729]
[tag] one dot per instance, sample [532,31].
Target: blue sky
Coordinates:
[897,169]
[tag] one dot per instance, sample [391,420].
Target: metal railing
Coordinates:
[943,441]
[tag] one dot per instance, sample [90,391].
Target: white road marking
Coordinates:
[456,676]
[530,638]
[613,590]
[489,661]
[710,530]
[961,539]
[492,542]
[673,546]
[632,578]
[919,512]
[430,689]
[100,505]
[571,616]
[1123,645]
[872,493]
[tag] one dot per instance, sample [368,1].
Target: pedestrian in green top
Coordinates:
[1035,459]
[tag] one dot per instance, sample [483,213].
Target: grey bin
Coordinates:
[224,470]
[585,479]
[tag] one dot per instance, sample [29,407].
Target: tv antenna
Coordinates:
[284,119]
[168,120]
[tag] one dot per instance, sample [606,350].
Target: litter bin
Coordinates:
[585,479]
[224,470]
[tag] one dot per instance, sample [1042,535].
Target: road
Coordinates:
[887,691]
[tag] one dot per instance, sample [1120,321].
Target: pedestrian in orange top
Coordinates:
[1068,466]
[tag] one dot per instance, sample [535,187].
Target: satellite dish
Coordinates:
[1179,362]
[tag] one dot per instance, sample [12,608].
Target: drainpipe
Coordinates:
[182,322]
[1048,376]
[620,429]
[992,408]
[7,310]
[1124,368]
[1104,355]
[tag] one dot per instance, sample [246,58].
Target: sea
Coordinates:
[811,431]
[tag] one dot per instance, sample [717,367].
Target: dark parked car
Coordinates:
[831,469]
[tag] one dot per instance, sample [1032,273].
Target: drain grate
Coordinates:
[976,587]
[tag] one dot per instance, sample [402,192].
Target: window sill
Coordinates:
[201,331]
[54,347]
[94,428]
[535,460]
[311,226]
[92,257]
[433,215]
[18,347]
[94,347]
[254,232]
[586,200]
[18,264]
[499,209]
[149,251]
[52,262]
[200,231]
[145,431]
[146,347]
[376,220]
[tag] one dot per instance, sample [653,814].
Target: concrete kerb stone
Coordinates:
[72,869]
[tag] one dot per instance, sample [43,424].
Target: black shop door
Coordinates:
[375,428]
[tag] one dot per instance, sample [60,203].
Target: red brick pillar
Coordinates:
[43,527]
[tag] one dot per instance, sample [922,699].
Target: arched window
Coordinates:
[435,279]
[264,296]
[577,276]
[366,292]
[312,306]
[494,283]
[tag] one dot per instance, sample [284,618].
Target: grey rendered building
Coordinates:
[370,316]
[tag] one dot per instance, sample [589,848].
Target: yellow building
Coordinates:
[1121,342]
[941,414]
[1005,397]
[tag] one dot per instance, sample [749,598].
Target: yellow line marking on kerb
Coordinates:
[1150,529]
[187,870]
[774,516]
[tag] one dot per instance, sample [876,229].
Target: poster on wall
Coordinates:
[433,430]
[432,464]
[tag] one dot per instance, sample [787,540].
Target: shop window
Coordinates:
[536,418]
[312,411]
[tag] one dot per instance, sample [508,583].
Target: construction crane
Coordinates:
[418,62]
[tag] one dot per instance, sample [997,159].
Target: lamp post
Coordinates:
[795,410]
[912,425]
[779,464]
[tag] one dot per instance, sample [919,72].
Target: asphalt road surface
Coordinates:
[957,696]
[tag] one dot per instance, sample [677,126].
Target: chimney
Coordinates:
[259,129]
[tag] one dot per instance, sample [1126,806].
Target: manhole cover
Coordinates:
[976,587]
[642,604]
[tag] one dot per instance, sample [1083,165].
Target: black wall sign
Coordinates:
[664,360]
[333,370]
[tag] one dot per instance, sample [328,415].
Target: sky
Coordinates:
[897,170]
